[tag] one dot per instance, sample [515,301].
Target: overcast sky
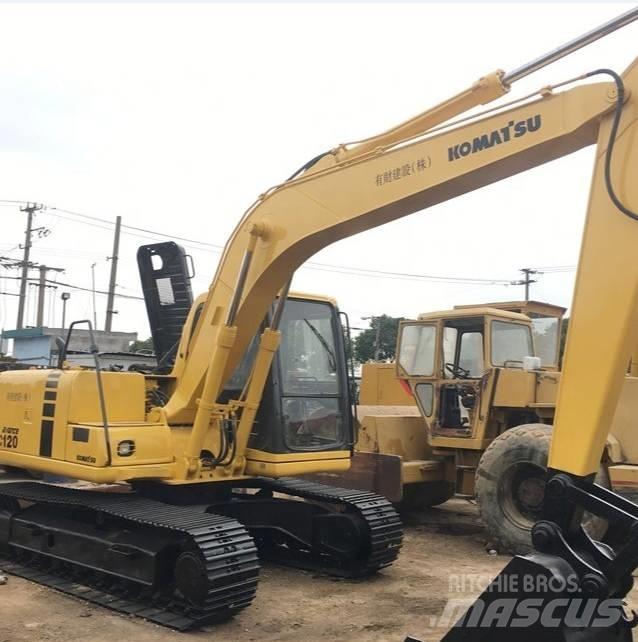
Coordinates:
[177,116]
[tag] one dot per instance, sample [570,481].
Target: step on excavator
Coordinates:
[205,485]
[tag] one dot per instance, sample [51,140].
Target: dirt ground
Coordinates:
[444,556]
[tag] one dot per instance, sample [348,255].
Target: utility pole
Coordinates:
[42,285]
[30,209]
[93,290]
[110,302]
[526,281]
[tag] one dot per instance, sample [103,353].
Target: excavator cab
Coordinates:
[306,404]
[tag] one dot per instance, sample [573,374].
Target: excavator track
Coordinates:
[374,525]
[210,564]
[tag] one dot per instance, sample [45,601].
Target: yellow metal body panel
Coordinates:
[88,472]
[463,443]
[521,307]
[547,389]
[123,392]
[624,426]
[286,458]
[153,444]
[515,388]
[381,387]
[623,476]
[461,312]
[394,435]
[292,464]
[404,436]
[417,472]
[40,405]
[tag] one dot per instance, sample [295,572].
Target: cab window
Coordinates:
[307,351]
[417,350]
[511,342]
[546,331]
[471,353]
[310,377]
[463,348]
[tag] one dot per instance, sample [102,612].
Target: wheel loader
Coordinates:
[478,426]
[203,485]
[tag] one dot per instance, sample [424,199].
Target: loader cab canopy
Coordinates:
[463,344]
[444,356]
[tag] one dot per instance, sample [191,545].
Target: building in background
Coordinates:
[114,360]
[37,346]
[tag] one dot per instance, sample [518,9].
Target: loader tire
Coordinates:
[425,495]
[510,487]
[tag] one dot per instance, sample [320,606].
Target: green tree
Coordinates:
[379,340]
[136,346]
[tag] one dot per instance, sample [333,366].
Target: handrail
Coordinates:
[93,349]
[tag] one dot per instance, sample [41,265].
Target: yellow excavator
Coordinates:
[205,482]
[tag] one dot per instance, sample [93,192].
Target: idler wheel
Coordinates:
[191,577]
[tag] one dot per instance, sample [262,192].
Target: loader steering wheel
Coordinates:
[457,371]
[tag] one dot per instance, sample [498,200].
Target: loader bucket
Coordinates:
[538,598]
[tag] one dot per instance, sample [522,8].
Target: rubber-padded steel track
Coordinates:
[227,551]
[382,525]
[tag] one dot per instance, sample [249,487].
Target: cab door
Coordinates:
[418,362]
[462,370]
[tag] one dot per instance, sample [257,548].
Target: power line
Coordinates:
[201,245]
[69,285]
[404,275]
[79,287]
[310,265]
[101,223]
[556,269]
[136,229]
